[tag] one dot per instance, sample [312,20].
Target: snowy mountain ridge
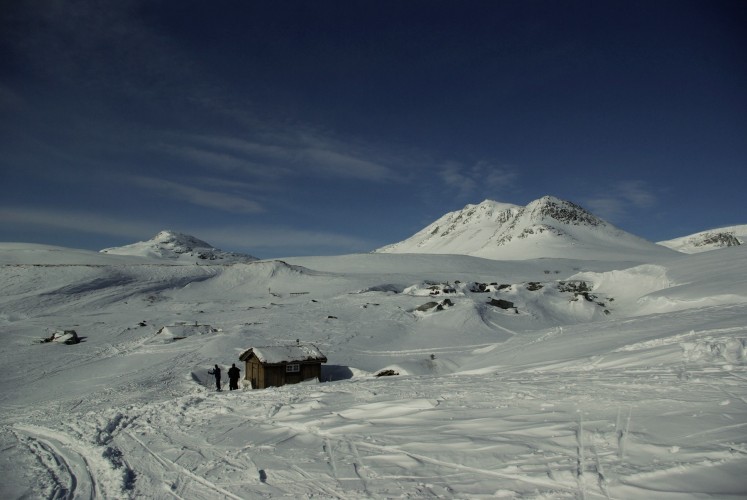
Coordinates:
[711,239]
[546,227]
[173,245]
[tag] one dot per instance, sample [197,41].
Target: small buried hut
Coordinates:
[179,331]
[274,366]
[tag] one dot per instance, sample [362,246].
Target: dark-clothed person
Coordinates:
[216,371]
[233,377]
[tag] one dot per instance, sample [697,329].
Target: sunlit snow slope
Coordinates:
[547,227]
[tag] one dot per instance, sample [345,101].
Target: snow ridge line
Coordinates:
[675,339]
[407,352]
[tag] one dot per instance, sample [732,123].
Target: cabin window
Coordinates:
[294,368]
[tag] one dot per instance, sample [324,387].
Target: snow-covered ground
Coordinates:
[603,380]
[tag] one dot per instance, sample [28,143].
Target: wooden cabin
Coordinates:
[274,366]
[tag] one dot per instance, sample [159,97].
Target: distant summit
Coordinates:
[547,227]
[712,239]
[173,245]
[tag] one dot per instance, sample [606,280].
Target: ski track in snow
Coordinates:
[561,454]
[74,467]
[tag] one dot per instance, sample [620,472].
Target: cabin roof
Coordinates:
[284,354]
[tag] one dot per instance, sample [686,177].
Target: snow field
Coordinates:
[557,401]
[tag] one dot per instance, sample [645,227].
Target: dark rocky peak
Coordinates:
[566,212]
[720,240]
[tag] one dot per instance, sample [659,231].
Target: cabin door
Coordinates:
[254,376]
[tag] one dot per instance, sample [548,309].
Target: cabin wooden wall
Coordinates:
[311,371]
[262,376]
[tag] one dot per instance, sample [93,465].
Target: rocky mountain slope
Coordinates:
[547,227]
[175,246]
[712,239]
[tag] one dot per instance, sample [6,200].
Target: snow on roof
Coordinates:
[284,354]
[187,330]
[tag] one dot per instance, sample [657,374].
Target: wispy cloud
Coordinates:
[621,199]
[223,160]
[606,207]
[481,179]
[330,157]
[262,146]
[76,220]
[292,152]
[115,52]
[265,237]
[637,193]
[246,238]
[343,164]
[197,196]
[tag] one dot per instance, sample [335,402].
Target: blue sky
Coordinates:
[293,128]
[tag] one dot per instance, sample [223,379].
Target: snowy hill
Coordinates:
[535,378]
[547,227]
[49,255]
[174,246]
[709,240]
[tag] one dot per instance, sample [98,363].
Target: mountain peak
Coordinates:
[546,227]
[563,211]
[173,245]
[171,238]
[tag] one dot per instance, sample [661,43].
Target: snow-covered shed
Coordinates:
[183,330]
[273,366]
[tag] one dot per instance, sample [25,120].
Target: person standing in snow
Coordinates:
[216,371]
[233,377]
